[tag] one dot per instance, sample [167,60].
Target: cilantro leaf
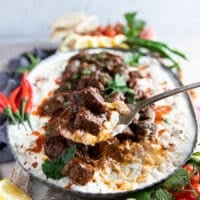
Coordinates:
[69,154]
[143,195]
[195,157]
[86,72]
[178,180]
[133,59]
[33,62]
[162,194]
[52,168]
[118,84]
[134,26]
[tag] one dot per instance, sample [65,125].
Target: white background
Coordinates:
[32,18]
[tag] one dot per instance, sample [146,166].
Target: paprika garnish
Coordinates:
[6,108]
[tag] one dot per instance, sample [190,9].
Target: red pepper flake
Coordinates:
[39,142]
[160,111]
[193,94]
[160,132]
[35,164]
[68,186]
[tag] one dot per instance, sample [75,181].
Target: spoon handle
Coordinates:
[163,95]
[136,107]
[125,120]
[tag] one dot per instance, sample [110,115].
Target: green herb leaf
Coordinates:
[75,76]
[69,154]
[52,168]
[118,84]
[134,26]
[196,157]
[143,195]
[166,121]
[162,194]
[178,180]
[33,62]
[133,59]
[86,72]
[132,30]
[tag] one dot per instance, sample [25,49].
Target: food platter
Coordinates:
[43,80]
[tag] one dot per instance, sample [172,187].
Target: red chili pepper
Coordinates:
[6,108]
[29,104]
[1,109]
[12,100]
[25,96]
[3,100]
[24,76]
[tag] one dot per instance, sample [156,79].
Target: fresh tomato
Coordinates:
[189,168]
[185,195]
[119,28]
[196,187]
[190,195]
[101,29]
[195,178]
[110,31]
[95,33]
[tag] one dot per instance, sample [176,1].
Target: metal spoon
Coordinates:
[125,120]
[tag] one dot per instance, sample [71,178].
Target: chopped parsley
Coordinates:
[75,76]
[52,168]
[177,181]
[133,59]
[166,121]
[118,84]
[86,72]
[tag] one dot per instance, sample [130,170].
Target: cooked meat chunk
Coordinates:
[114,151]
[115,96]
[53,106]
[90,98]
[140,94]
[93,100]
[54,146]
[106,149]
[53,127]
[89,82]
[146,113]
[87,121]
[133,77]
[78,171]
[143,129]
[126,135]
[71,69]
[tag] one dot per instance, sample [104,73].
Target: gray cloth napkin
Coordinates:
[7,84]
[8,81]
